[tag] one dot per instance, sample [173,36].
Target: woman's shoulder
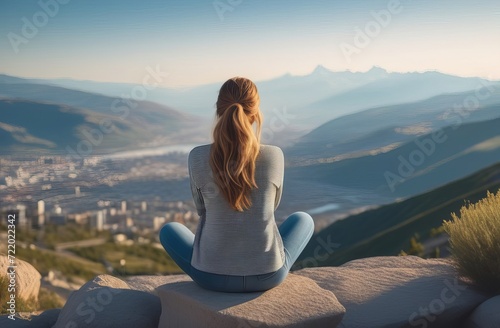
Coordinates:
[271,149]
[200,149]
[271,153]
[198,155]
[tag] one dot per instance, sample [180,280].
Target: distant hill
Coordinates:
[384,126]
[28,126]
[147,111]
[35,128]
[409,169]
[395,88]
[388,229]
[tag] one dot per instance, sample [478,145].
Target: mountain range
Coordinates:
[385,126]
[46,119]
[313,99]
[416,166]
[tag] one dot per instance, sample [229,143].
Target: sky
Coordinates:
[199,42]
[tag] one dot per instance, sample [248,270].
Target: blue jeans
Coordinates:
[295,231]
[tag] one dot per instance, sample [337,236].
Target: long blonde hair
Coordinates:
[236,145]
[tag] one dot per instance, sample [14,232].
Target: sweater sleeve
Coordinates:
[279,191]
[196,192]
[279,186]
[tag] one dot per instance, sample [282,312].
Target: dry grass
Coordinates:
[22,305]
[46,300]
[475,241]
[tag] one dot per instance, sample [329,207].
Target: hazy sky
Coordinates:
[198,42]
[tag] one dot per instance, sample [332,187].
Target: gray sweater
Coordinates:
[231,242]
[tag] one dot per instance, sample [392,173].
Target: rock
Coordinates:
[297,302]
[28,279]
[486,315]
[372,292]
[109,302]
[45,320]
[105,280]
[404,291]
[150,283]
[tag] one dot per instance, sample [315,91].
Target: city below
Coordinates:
[115,194]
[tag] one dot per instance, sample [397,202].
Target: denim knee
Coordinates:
[303,219]
[166,231]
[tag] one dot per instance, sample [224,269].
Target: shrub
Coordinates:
[475,241]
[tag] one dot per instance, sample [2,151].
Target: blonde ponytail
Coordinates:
[236,145]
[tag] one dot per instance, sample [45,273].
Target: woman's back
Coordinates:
[249,239]
[236,184]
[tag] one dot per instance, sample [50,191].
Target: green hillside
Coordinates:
[381,126]
[140,124]
[132,109]
[455,152]
[28,127]
[387,230]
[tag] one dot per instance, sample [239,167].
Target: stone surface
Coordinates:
[404,291]
[45,320]
[486,315]
[376,292]
[108,302]
[150,283]
[297,302]
[105,280]
[28,279]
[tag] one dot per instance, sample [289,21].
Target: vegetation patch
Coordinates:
[22,305]
[139,258]
[44,261]
[475,241]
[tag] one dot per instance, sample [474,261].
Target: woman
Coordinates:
[236,184]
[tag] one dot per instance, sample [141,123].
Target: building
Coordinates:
[22,214]
[158,222]
[41,207]
[97,221]
[39,219]
[57,209]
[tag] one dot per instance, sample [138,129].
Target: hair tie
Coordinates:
[235,105]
